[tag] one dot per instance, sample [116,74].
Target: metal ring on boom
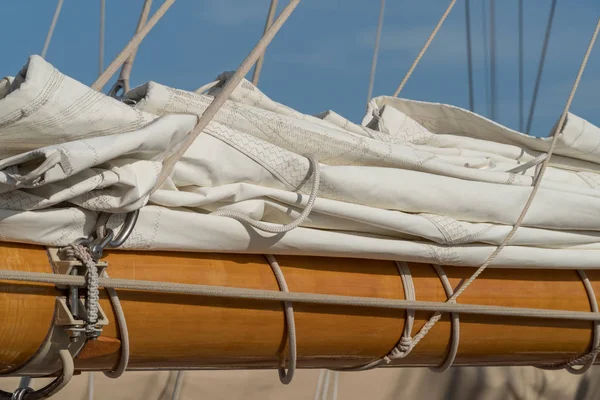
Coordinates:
[119,86]
[97,244]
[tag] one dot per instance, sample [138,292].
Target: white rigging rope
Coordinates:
[376,50]
[131,46]
[51,29]
[122,82]
[297,297]
[268,23]
[425,47]
[229,87]
[537,183]
[101,47]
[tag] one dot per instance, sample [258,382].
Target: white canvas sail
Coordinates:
[418,181]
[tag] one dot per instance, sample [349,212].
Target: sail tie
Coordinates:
[64,377]
[122,83]
[537,183]
[286,377]
[590,358]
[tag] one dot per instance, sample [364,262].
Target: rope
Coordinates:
[206,87]
[130,47]
[469,55]
[81,253]
[520,65]
[286,377]
[51,29]
[425,47]
[296,297]
[123,333]
[376,50]
[27,393]
[493,58]
[268,23]
[436,317]
[405,343]
[287,227]
[178,385]
[229,87]
[128,64]
[122,82]
[486,56]
[454,322]
[538,78]
[93,294]
[588,359]
[529,164]
[101,49]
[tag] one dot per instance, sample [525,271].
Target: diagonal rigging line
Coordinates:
[538,79]
[493,86]
[230,85]
[268,23]
[537,183]
[376,50]
[469,55]
[425,47]
[486,56]
[131,46]
[101,48]
[521,66]
[128,64]
[51,29]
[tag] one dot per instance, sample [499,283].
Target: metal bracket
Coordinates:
[46,360]
[72,313]
[67,267]
[73,325]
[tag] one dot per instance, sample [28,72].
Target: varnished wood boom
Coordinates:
[176,331]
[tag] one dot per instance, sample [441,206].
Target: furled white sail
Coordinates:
[418,181]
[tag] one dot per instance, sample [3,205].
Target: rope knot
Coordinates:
[405,344]
[83,254]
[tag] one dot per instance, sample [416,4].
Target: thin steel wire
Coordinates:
[493,87]
[469,54]
[101,50]
[376,50]
[486,56]
[521,116]
[540,71]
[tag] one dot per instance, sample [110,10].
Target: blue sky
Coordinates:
[321,58]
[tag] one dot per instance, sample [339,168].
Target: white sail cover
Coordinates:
[416,181]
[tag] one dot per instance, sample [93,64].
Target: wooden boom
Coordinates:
[169,331]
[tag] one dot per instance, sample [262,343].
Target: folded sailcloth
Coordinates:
[415,181]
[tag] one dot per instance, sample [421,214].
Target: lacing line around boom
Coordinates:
[286,377]
[589,358]
[82,254]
